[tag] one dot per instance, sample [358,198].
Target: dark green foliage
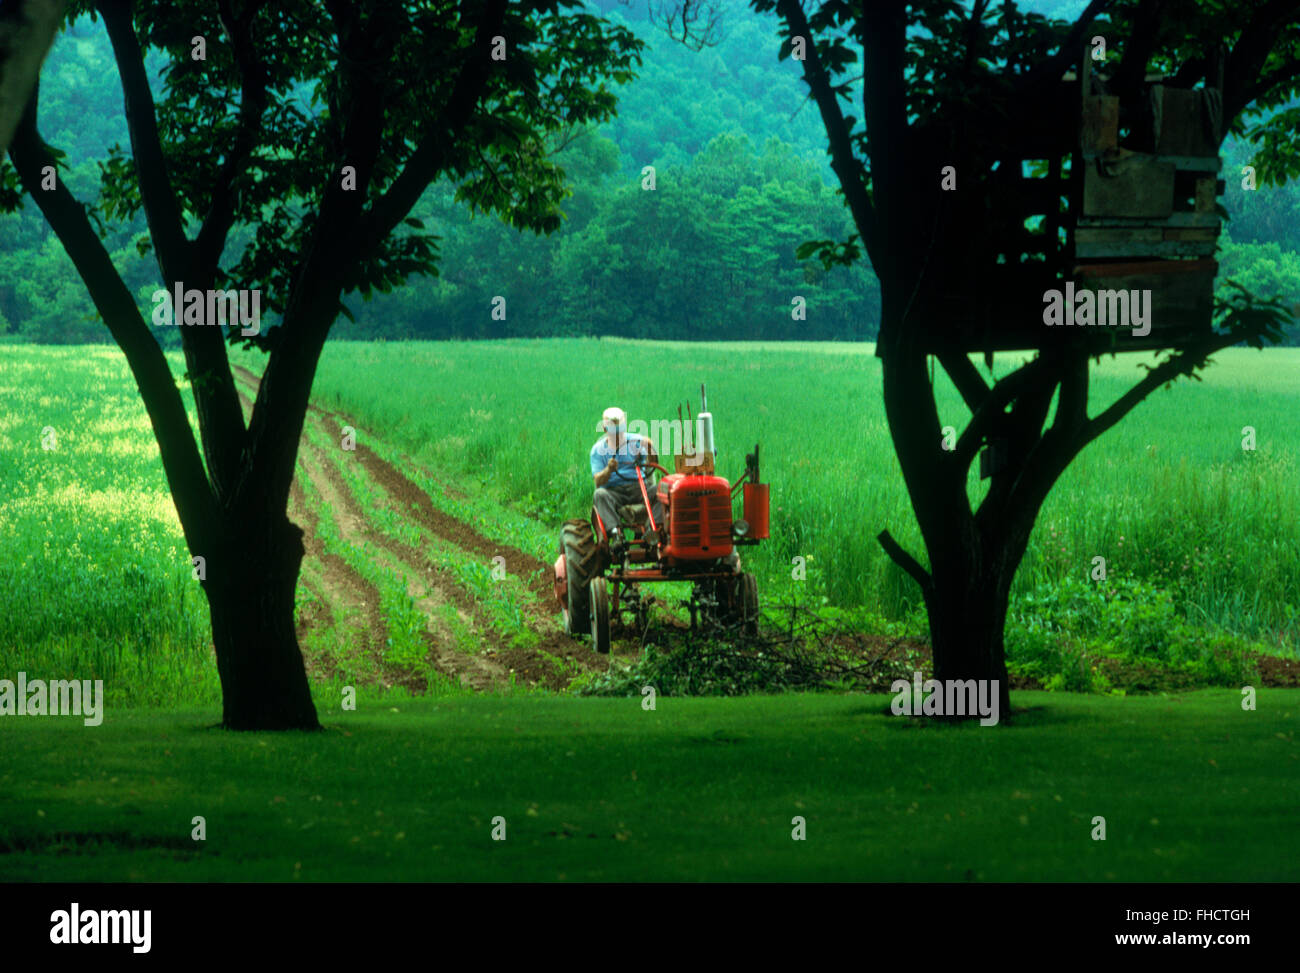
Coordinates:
[710,253]
[1121,634]
[721,258]
[699,667]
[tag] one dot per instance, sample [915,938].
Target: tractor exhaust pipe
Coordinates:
[756,502]
[705,419]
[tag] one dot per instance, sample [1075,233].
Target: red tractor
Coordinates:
[698,542]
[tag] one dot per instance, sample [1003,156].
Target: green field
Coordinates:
[94,576]
[469,451]
[1191,789]
[1169,496]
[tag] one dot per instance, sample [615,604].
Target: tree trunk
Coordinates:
[250,591]
[26,32]
[973,558]
[967,609]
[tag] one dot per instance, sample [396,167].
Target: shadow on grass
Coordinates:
[93,842]
[1020,717]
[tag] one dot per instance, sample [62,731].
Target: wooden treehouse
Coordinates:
[1105,198]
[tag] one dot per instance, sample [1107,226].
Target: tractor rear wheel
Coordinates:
[599,596]
[737,599]
[749,605]
[579,550]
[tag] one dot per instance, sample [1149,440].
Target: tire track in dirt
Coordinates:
[414,500]
[535,664]
[344,592]
[406,492]
[356,590]
[429,584]
[534,573]
[429,589]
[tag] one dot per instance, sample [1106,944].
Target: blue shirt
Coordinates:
[633,445]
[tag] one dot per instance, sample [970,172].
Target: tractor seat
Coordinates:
[632,513]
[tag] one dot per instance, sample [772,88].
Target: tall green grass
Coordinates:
[1169,496]
[95,579]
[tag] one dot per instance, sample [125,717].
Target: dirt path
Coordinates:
[552,662]
[340,593]
[424,582]
[447,527]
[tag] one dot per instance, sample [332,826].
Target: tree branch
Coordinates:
[1131,74]
[431,156]
[848,169]
[331,256]
[1181,364]
[221,420]
[991,411]
[1049,71]
[1288,72]
[882,32]
[1072,408]
[162,400]
[1072,430]
[1250,54]
[162,209]
[905,561]
[211,240]
[974,25]
[26,44]
[1023,430]
[1191,71]
[970,383]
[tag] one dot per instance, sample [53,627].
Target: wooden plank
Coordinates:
[1205,193]
[1036,337]
[1172,220]
[1182,123]
[1193,163]
[1153,268]
[1119,234]
[1099,130]
[1139,234]
[1133,187]
[1133,234]
[1162,248]
[1147,241]
[1189,163]
[1182,291]
[1007,314]
[1191,233]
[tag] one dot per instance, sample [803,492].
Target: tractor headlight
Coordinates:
[739,528]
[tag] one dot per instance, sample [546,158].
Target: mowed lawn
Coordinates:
[1192,788]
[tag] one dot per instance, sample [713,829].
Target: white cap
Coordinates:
[613,414]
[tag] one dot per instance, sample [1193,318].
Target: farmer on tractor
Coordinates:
[689,535]
[613,466]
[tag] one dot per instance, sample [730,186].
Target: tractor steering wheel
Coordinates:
[643,462]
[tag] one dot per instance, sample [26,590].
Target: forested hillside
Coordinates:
[741,179]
